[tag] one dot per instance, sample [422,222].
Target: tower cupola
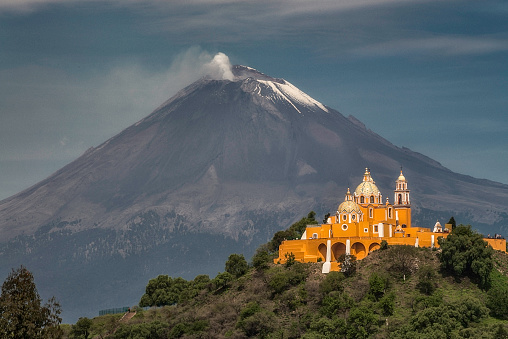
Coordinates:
[401,191]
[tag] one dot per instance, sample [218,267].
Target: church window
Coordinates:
[344,227]
[371,212]
[314,236]
[371,199]
[344,217]
[365,230]
[390,213]
[376,229]
[362,200]
[400,199]
[404,226]
[353,217]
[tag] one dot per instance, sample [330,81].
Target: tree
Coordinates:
[294,231]
[261,258]
[237,265]
[163,290]
[403,259]
[82,328]
[452,221]
[21,312]
[347,264]
[465,253]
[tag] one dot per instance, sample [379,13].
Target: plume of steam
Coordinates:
[219,68]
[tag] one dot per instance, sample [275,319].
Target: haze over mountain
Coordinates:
[216,169]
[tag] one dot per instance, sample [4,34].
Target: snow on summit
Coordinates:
[291,93]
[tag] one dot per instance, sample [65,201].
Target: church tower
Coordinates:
[401,191]
[402,204]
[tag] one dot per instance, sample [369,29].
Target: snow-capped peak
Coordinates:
[279,89]
[291,93]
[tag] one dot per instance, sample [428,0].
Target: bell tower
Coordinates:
[402,204]
[401,192]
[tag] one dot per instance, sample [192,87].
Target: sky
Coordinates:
[431,76]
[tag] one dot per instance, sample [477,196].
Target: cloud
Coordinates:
[297,7]
[441,46]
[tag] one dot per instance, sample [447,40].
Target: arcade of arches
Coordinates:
[359,225]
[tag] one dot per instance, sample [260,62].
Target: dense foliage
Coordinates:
[465,253]
[165,290]
[21,312]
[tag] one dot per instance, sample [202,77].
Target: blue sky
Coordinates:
[428,75]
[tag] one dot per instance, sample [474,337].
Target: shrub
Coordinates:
[335,303]
[426,278]
[258,324]
[332,282]
[387,304]
[290,259]
[361,322]
[377,286]
[384,245]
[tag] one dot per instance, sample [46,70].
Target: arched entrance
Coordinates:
[322,251]
[337,250]
[374,246]
[358,250]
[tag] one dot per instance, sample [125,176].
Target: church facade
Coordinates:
[359,225]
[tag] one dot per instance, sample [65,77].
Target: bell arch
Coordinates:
[337,250]
[374,246]
[322,251]
[358,250]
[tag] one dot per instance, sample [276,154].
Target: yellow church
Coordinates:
[361,222]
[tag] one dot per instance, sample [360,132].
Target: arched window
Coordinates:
[371,199]
[400,199]
[389,213]
[362,200]
[371,212]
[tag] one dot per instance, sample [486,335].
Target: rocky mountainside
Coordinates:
[216,169]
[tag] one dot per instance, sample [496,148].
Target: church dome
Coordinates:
[349,207]
[367,187]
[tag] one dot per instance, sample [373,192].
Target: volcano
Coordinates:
[215,170]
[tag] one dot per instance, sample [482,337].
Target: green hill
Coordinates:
[396,292]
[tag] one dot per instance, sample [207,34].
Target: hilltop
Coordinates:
[397,292]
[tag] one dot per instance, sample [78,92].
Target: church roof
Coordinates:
[367,187]
[349,207]
[401,177]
